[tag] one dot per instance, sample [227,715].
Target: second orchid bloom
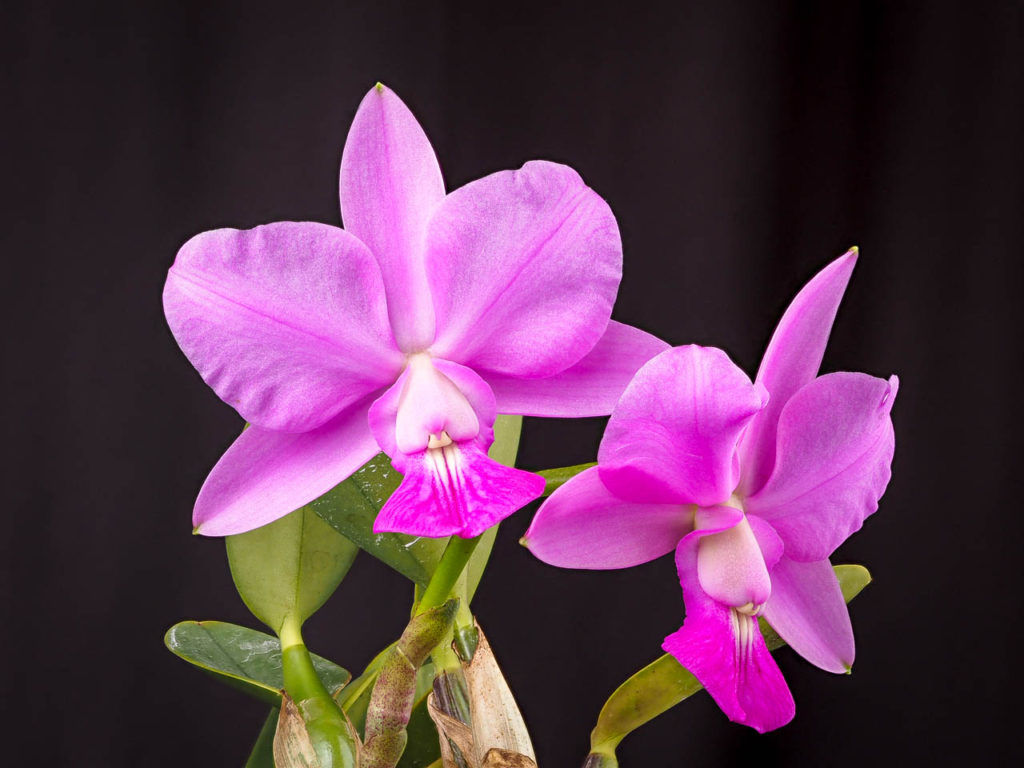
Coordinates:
[753,484]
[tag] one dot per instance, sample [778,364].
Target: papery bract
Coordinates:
[754,484]
[407,331]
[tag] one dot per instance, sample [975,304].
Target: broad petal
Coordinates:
[523,267]
[265,475]
[390,187]
[591,387]
[724,649]
[835,448]
[672,436]
[808,610]
[791,360]
[584,525]
[286,322]
[455,490]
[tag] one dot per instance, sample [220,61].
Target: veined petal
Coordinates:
[286,322]
[584,525]
[390,187]
[432,397]
[523,267]
[591,387]
[724,649]
[791,360]
[808,610]
[672,436]
[265,475]
[835,448]
[455,490]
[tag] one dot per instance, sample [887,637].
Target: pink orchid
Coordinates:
[407,331]
[753,484]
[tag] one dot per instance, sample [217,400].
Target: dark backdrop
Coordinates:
[741,147]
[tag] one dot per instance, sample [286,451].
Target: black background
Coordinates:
[742,147]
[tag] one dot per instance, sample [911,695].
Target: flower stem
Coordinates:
[326,725]
[447,573]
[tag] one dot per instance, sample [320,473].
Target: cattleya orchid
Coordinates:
[753,485]
[407,332]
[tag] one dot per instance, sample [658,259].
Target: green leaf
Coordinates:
[665,682]
[352,506]
[243,658]
[262,755]
[285,571]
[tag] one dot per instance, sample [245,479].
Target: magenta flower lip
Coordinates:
[753,484]
[407,331]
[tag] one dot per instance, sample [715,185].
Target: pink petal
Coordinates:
[584,525]
[672,436]
[724,649]
[835,448]
[730,566]
[286,322]
[265,475]
[432,396]
[769,542]
[591,387]
[390,187]
[791,360]
[523,266]
[808,610]
[455,490]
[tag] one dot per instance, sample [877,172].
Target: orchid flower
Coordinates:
[753,485]
[407,332]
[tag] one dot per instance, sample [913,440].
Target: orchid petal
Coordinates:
[835,448]
[724,649]
[591,387]
[672,436]
[265,475]
[285,322]
[768,541]
[455,490]
[730,566]
[430,397]
[523,267]
[791,360]
[390,187]
[808,610]
[584,525]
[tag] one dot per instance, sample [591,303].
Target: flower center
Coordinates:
[730,566]
[432,412]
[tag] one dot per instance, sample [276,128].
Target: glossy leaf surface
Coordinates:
[665,682]
[352,506]
[243,658]
[287,569]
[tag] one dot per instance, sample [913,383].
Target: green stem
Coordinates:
[447,573]
[559,476]
[327,727]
